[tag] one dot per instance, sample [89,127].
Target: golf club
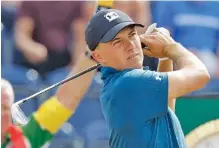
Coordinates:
[18,116]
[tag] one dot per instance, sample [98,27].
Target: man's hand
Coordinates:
[156,42]
[37,54]
[34,52]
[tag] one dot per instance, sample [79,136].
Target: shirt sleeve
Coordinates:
[145,91]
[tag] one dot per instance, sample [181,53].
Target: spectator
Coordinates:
[195,24]
[51,115]
[43,33]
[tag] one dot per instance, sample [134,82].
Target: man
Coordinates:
[44,32]
[48,119]
[143,15]
[135,100]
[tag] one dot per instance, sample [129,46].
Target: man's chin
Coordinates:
[138,64]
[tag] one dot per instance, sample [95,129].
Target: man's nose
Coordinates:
[130,45]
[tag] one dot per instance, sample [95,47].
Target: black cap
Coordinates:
[105,25]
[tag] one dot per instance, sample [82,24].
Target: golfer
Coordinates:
[134,99]
[48,119]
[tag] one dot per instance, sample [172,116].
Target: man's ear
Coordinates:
[97,56]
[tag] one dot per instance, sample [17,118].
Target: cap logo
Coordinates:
[111,16]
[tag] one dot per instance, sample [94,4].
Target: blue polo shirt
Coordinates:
[135,106]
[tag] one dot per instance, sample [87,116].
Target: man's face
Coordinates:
[6,102]
[123,52]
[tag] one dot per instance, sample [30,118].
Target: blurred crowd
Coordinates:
[42,40]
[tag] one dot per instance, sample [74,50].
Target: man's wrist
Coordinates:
[171,49]
[176,51]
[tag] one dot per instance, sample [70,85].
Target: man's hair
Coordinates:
[6,86]
[98,47]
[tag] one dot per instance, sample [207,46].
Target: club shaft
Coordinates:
[59,83]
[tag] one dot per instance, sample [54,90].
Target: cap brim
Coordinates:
[110,35]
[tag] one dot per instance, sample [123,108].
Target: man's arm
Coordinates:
[23,33]
[166,66]
[63,104]
[70,94]
[54,112]
[78,42]
[191,74]
[24,27]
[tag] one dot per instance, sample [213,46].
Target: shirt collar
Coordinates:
[107,71]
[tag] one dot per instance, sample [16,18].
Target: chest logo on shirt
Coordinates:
[111,16]
[158,77]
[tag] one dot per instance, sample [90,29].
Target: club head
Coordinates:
[151,28]
[18,116]
[149,31]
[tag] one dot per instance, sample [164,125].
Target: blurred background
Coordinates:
[42,40]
